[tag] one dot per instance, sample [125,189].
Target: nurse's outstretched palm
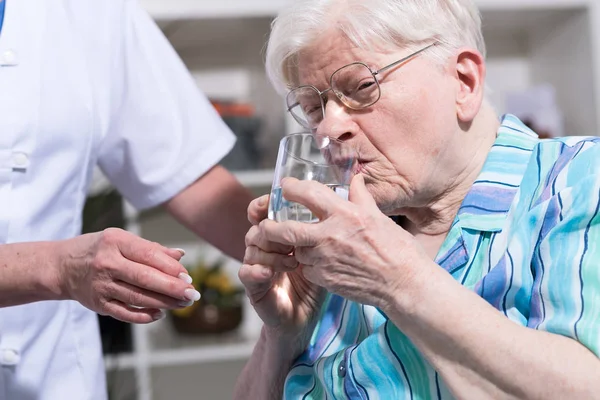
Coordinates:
[122,275]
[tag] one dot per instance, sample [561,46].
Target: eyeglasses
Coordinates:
[355,85]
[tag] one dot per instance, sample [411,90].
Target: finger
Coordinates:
[304,256]
[138,297]
[258,209]
[318,198]
[256,277]
[151,279]
[152,254]
[359,193]
[292,233]
[277,261]
[175,253]
[255,237]
[125,313]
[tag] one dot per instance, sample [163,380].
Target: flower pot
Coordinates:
[208,319]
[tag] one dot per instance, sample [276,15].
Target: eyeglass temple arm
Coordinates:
[297,103]
[408,57]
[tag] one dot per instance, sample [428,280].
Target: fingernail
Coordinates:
[192,294]
[158,315]
[185,277]
[266,272]
[182,251]
[186,303]
[290,262]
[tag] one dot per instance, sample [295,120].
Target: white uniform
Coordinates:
[85,82]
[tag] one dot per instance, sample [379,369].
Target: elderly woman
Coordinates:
[485,283]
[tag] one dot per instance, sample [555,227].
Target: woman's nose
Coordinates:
[337,122]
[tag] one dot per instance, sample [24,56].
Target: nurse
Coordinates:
[86,83]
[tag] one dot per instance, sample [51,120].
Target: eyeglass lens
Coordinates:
[353,84]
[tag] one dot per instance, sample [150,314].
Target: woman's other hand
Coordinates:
[283,298]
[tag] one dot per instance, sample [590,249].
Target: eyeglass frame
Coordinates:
[341,95]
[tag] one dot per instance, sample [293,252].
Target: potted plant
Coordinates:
[220,306]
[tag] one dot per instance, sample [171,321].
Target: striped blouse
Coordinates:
[526,239]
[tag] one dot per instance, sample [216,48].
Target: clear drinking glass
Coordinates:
[306,156]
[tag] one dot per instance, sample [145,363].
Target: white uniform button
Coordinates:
[9,357]
[20,160]
[9,57]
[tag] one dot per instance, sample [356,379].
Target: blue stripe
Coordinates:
[510,146]
[498,183]
[562,150]
[510,282]
[331,370]
[473,260]
[457,247]
[539,176]
[561,207]
[542,271]
[514,130]
[364,314]
[585,248]
[314,386]
[327,347]
[303,365]
[354,380]
[489,264]
[489,267]
[492,238]
[487,210]
[339,328]
[437,386]
[389,343]
[2,6]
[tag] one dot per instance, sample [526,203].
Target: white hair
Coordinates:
[402,23]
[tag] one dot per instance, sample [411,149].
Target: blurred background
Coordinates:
[543,66]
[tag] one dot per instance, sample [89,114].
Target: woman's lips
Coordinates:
[360,165]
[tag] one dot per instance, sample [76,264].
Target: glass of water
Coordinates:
[307,156]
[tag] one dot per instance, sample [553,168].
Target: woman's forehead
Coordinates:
[320,60]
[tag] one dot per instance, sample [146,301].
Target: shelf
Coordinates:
[202,354]
[485,5]
[119,361]
[185,355]
[263,177]
[199,9]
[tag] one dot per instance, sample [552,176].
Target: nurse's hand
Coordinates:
[116,273]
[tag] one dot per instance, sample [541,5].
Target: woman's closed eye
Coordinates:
[366,85]
[312,108]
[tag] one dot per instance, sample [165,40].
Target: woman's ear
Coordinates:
[470,77]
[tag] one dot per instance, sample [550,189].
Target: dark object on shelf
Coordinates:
[116,335]
[241,119]
[102,211]
[208,319]
[245,153]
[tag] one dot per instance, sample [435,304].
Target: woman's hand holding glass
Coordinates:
[355,250]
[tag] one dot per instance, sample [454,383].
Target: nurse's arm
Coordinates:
[112,272]
[28,273]
[215,208]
